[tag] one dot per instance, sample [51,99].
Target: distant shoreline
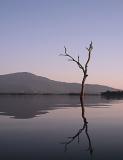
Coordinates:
[112,94]
[69,94]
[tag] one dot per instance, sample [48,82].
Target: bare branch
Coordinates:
[72,59]
[89,55]
[65,50]
[78,59]
[91,46]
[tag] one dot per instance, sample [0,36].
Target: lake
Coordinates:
[51,127]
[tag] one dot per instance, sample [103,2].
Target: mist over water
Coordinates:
[37,127]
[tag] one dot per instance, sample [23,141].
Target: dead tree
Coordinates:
[84,69]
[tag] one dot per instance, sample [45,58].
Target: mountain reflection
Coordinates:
[24,107]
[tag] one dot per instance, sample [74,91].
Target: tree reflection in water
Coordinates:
[83,129]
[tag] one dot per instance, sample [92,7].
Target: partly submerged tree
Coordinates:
[84,69]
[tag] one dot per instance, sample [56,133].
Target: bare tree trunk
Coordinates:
[82,95]
[84,70]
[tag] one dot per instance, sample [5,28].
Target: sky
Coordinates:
[34,32]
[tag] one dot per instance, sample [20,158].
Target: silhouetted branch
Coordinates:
[84,69]
[89,55]
[72,59]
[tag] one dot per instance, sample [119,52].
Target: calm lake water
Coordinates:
[38,127]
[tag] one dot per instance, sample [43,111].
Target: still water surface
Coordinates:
[51,127]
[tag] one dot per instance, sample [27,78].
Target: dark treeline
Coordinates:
[112,94]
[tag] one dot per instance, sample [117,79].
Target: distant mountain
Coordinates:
[24,82]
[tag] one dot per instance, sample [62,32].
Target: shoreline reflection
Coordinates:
[26,107]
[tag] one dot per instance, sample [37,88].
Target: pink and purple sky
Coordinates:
[33,33]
